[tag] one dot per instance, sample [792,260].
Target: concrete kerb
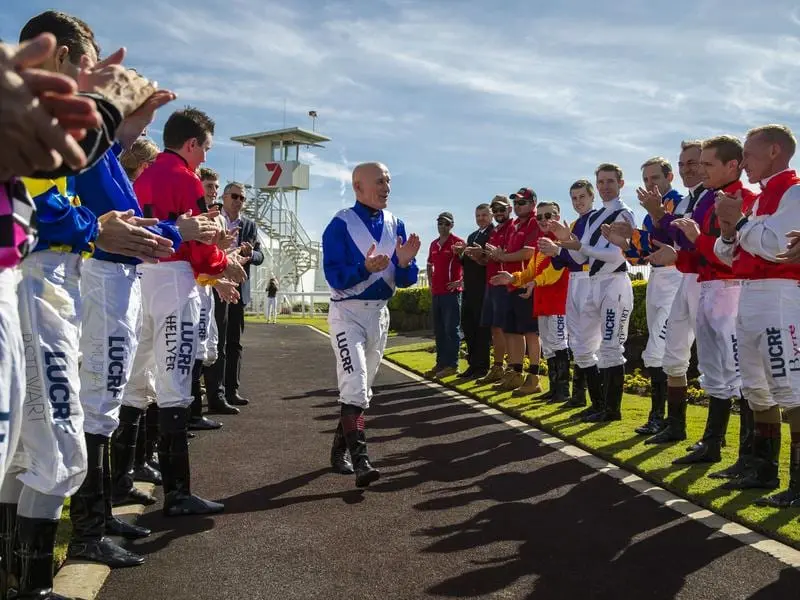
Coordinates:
[82,580]
[782,552]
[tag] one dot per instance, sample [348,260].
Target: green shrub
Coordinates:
[638,323]
[414,301]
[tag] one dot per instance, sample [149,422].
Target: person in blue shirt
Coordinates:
[366,255]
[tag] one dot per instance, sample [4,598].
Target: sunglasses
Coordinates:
[521,202]
[235,196]
[546,216]
[445,223]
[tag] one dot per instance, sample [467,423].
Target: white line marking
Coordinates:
[748,537]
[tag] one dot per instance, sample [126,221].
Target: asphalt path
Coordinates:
[467,507]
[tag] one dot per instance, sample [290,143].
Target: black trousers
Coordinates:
[222,379]
[479,339]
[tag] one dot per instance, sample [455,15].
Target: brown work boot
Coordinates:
[511,381]
[494,375]
[531,386]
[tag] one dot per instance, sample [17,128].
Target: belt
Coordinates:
[66,248]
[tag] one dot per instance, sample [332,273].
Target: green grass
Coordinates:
[619,444]
[318,322]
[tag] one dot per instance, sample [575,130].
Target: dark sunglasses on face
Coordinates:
[237,197]
[445,223]
[521,202]
[545,217]
[499,209]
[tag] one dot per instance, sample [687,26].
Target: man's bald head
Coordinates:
[371,184]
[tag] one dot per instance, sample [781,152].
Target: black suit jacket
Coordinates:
[248,232]
[475,274]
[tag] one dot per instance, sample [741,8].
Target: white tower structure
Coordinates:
[278,179]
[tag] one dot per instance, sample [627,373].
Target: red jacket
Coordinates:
[445,266]
[701,259]
[167,189]
[747,266]
[550,293]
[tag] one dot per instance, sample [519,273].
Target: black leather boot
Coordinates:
[36,539]
[578,398]
[123,449]
[115,525]
[613,383]
[8,529]
[658,402]
[352,419]
[594,384]
[762,472]
[719,412]
[151,421]
[676,418]
[746,434]
[706,432]
[214,395]
[173,456]
[340,455]
[197,422]
[142,470]
[551,377]
[88,514]
[560,381]
[789,498]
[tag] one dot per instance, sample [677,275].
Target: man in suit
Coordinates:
[474,259]
[222,378]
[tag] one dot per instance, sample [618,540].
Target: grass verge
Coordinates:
[618,443]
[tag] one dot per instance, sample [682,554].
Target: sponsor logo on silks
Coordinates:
[171,341]
[608,328]
[57,384]
[344,352]
[623,328]
[735,347]
[116,364]
[34,399]
[202,332]
[662,335]
[186,350]
[561,327]
[777,364]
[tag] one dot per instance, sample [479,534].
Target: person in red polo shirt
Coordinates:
[521,328]
[445,274]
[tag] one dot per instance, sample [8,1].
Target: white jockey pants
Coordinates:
[271,309]
[111,319]
[168,343]
[358,330]
[768,330]
[608,309]
[51,456]
[207,336]
[12,368]
[681,325]
[553,334]
[662,286]
[583,335]
[717,355]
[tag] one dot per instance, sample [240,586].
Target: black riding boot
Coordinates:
[340,455]
[594,383]
[560,381]
[153,428]
[719,412]
[676,418]
[88,514]
[551,377]
[36,539]
[613,383]
[746,435]
[578,398]
[8,529]
[352,419]
[789,498]
[142,470]
[658,402]
[698,445]
[763,469]
[173,456]
[123,449]
[197,422]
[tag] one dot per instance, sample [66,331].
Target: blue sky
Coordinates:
[461,99]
